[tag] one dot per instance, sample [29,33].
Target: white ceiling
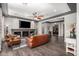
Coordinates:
[47,9]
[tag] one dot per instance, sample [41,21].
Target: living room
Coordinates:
[37,26]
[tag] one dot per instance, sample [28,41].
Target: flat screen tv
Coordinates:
[24,24]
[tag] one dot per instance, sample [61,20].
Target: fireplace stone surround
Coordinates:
[23,32]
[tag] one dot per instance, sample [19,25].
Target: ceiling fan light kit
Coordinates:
[36,16]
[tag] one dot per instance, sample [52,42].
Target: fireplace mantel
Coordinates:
[23,31]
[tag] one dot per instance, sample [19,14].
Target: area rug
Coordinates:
[21,45]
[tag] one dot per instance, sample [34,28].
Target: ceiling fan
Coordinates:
[36,16]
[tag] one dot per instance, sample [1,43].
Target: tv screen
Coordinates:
[24,24]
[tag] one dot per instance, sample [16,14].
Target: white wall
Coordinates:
[46,25]
[13,23]
[1,25]
[61,30]
[69,19]
[42,28]
[1,28]
[33,25]
[39,28]
[77,29]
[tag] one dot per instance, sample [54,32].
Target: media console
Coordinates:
[23,32]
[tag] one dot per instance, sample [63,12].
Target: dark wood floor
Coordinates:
[53,48]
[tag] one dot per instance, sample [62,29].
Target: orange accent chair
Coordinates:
[12,40]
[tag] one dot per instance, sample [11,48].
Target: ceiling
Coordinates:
[25,10]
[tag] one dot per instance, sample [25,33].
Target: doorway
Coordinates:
[55,30]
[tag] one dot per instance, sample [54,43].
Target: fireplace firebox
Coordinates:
[17,33]
[25,33]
